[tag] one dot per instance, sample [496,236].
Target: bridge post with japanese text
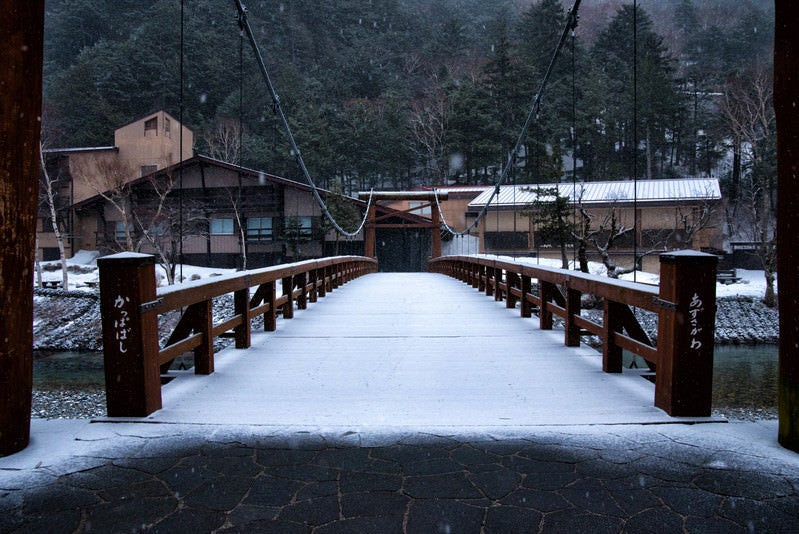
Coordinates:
[130,340]
[686,333]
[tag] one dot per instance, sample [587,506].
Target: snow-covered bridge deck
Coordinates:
[401,351]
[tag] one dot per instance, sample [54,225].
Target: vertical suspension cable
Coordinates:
[497,239]
[514,211]
[180,149]
[635,139]
[574,156]
[241,96]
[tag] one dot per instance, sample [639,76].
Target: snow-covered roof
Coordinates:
[620,192]
[459,189]
[78,149]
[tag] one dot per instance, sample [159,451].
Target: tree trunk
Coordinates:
[786,87]
[582,256]
[37,265]
[22,28]
[48,184]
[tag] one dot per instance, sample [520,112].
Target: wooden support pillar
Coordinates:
[547,291]
[288,291]
[22,28]
[313,280]
[369,232]
[526,306]
[512,281]
[573,305]
[241,304]
[130,340]
[324,277]
[301,282]
[611,323]
[786,89]
[270,316]
[686,331]
[203,322]
[436,231]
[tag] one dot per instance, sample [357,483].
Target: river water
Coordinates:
[743,376]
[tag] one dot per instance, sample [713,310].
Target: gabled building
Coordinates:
[138,195]
[141,147]
[665,215]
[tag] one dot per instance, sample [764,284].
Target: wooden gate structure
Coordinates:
[373,221]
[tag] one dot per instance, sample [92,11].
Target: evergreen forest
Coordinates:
[398,94]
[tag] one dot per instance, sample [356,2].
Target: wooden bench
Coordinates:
[727,276]
[51,284]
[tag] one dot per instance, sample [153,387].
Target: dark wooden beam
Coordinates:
[22,28]
[786,90]
[429,196]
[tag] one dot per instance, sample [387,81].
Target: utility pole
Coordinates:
[22,28]
[786,89]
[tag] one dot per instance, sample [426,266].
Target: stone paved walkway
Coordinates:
[630,478]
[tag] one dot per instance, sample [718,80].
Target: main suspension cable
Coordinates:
[244,24]
[571,24]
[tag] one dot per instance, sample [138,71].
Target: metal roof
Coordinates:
[459,189]
[616,192]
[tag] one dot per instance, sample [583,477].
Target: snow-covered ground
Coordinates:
[751,283]
[83,274]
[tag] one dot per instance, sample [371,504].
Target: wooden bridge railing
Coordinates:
[130,306]
[685,304]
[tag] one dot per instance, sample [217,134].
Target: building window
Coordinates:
[47,225]
[259,229]
[119,231]
[167,127]
[416,207]
[299,227]
[221,227]
[151,125]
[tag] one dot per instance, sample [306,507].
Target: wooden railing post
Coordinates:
[324,276]
[611,323]
[573,305]
[301,282]
[512,281]
[130,337]
[313,280]
[526,306]
[546,291]
[498,277]
[270,316]
[686,331]
[243,332]
[288,289]
[204,323]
